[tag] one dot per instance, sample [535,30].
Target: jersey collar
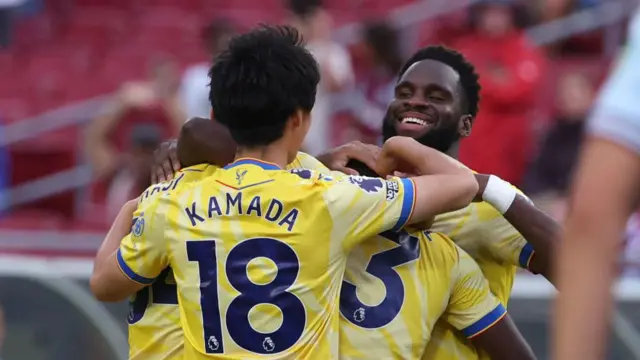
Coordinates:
[249,161]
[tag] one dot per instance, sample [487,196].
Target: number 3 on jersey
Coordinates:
[381,266]
[251,294]
[163,291]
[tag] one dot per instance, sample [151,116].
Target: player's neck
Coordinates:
[273,154]
[454,150]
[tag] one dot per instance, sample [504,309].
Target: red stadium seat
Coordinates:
[36,31]
[97,26]
[32,219]
[167,27]
[12,109]
[101,3]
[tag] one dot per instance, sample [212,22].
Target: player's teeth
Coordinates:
[412,120]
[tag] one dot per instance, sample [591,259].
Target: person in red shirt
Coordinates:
[510,68]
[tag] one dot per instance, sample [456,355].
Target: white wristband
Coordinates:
[499,193]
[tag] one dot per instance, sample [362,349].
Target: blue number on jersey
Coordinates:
[381,266]
[251,294]
[162,292]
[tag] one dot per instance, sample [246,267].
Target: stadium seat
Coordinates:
[32,219]
[97,26]
[12,109]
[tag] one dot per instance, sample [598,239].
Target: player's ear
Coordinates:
[299,120]
[464,125]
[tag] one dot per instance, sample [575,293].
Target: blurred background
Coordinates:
[89,88]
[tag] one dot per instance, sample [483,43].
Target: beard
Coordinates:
[441,138]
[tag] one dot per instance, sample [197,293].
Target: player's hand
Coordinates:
[165,162]
[391,158]
[337,159]
[482,184]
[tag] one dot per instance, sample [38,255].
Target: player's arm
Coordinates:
[475,311]
[534,225]
[605,193]
[363,206]
[138,258]
[443,184]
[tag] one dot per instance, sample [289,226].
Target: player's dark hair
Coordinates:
[260,81]
[361,168]
[469,79]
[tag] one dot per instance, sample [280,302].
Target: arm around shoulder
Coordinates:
[443,184]
[138,258]
[481,317]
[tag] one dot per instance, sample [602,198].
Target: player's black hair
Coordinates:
[469,79]
[260,81]
[361,168]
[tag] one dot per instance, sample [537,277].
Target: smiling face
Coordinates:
[427,106]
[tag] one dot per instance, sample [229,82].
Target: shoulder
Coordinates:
[306,161]
[182,178]
[310,176]
[438,248]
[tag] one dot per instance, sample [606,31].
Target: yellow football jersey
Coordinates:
[154,317]
[397,286]
[498,248]
[258,255]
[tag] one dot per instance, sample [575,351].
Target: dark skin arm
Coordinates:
[503,341]
[534,225]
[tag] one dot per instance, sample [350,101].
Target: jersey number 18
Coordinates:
[237,315]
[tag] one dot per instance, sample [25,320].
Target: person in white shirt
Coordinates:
[336,72]
[194,89]
[605,192]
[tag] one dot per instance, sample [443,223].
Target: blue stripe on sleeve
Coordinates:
[525,256]
[485,322]
[408,202]
[130,273]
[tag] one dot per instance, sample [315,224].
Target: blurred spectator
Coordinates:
[589,42]
[154,101]
[550,174]
[7,9]
[336,71]
[194,90]
[133,176]
[510,68]
[152,105]
[368,102]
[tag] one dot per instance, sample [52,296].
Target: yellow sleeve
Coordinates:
[143,253]
[306,161]
[472,307]
[504,242]
[361,207]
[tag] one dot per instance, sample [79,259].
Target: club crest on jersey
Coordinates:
[303,173]
[138,226]
[240,175]
[392,190]
[358,315]
[370,185]
[212,343]
[268,344]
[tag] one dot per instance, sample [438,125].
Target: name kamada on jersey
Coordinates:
[274,211]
